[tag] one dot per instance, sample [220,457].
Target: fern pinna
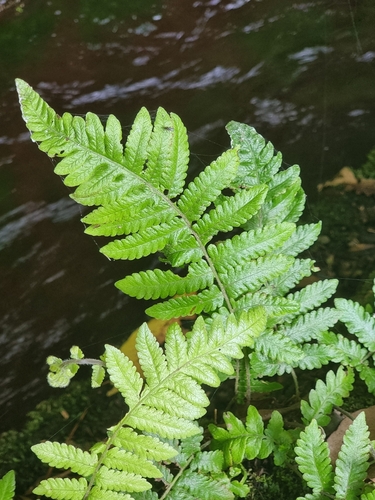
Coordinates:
[228,243]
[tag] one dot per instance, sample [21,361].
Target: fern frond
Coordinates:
[239,280]
[62,489]
[358,321]
[208,185]
[155,284]
[278,347]
[367,374]
[124,460]
[314,294]
[344,351]
[300,268]
[116,480]
[249,245]
[98,494]
[143,243]
[123,375]
[136,146]
[309,325]
[147,447]
[313,459]
[7,486]
[301,239]
[258,162]
[352,462]
[278,308]
[325,395]
[233,212]
[239,441]
[314,356]
[127,216]
[280,439]
[64,456]
[193,485]
[168,154]
[207,301]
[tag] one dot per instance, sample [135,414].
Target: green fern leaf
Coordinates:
[344,351]
[315,356]
[314,295]
[368,496]
[136,145]
[313,459]
[309,325]
[358,321]
[110,479]
[158,422]
[301,239]
[98,494]
[240,280]
[263,366]
[278,309]
[168,154]
[280,440]
[143,243]
[207,301]
[322,399]
[160,284]
[249,245]
[278,347]
[239,441]
[367,374]
[233,212]
[300,268]
[64,456]
[126,461]
[127,216]
[123,375]
[258,163]
[146,447]
[62,489]
[7,486]
[193,485]
[352,462]
[208,185]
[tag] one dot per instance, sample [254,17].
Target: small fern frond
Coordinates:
[205,188]
[312,457]
[309,325]
[155,284]
[344,351]
[314,356]
[352,462]
[301,239]
[249,245]
[123,375]
[239,280]
[325,395]
[207,301]
[278,309]
[168,154]
[62,488]
[7,486]
[314,294]
[143,243]
[64,456]
[258,162]
[300,268]
[358,321]
[233,212]
[238,440]
[279,347]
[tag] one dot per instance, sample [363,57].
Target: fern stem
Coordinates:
[205,254]
[295,380]
[84,361]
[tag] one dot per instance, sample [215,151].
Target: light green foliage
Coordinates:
[228,243]
[325,395]
[347,480]
[7,486]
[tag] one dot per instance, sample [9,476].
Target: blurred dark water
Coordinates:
[302,73]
